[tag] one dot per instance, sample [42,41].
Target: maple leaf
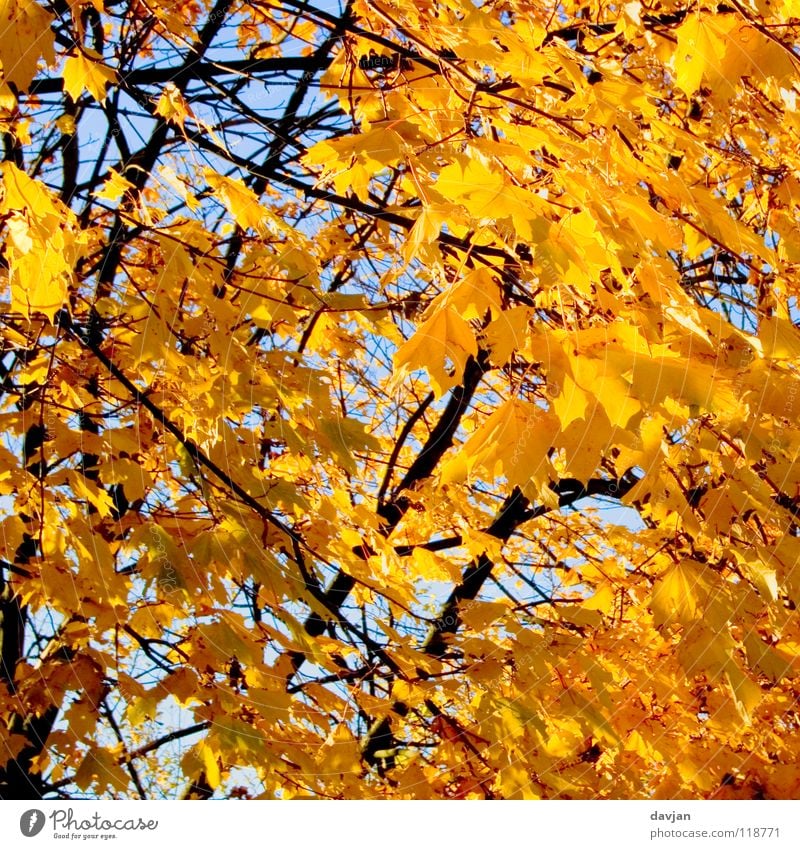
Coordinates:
[172,105]
[85,71]
[442,345]
[27,38]
[422,427]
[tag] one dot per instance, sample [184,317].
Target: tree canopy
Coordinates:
[399,400]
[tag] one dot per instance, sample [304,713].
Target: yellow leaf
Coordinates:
[514,782]
[441,345]
[166,562]
[614,394]
[507,333]
[340,753]
[143,708]
[240,201]
[477,293]
[603,600]
[59,587]
[571,403]
[780,338]
[210,764]
[114,187]
[430,567]
[381,144]
[478,615]
[426,230]
[81,718]
[66,124]
[237,738]
[38,284]
[43,246]
[766,660]
[746,693]
[486,194]
[85,70]
[679,595]
[134,479]
[26,37]
[514,441]
[172,105]
[341,436]
[764,578]
[700,50]
[22,193]
[634,742]
[89,491]
[101,765]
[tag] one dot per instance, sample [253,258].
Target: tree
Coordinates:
[400,400]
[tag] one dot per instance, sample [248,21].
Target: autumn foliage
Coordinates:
[399,400]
